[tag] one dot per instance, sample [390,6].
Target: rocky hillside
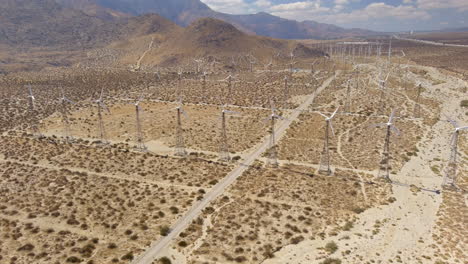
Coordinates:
[184,12]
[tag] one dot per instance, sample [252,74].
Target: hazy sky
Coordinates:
[383,15]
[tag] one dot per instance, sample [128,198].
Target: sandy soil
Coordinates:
[401,231]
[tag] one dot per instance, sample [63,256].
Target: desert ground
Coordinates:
[73,192]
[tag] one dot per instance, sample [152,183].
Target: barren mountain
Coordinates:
[30,23]
[184,12]
[209,38]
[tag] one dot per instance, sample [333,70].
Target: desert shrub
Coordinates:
[240,259]
[182,243]
[27,247]
[358,210]
[464,103]
[296,240]
[348,226]
[112,246]
[164,230]
[331,261]
[165,260]
[128,256]
[73,259]
[331,247]
[174,210]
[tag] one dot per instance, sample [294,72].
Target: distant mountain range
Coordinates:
[42,33]
[184,12]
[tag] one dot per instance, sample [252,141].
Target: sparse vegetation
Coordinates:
[331,247]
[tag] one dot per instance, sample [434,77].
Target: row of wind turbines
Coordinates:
[224,154]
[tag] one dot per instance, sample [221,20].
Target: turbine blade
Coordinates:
[453,122]
[231,112]
[265,120]
[184,113]
[30,91]
[104,106]
[322,115]
[334,113]
[279,117]
[331,126]
[392,115]
[453,138]
[396,130]
[463,128]
[378,125]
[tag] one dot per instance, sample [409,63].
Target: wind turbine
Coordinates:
[198,63]
[291,62]
[272,152]
[180,144]
[384,168]
[224,145]
[382,87]
[252,61]
[269,66]
[347,106]
[204,81]
[450,177]
[286,91]
[32,110]
[417,106]
[140,145]
[101,106]
[312,67]
[229,81]
[324,167]
[65,121]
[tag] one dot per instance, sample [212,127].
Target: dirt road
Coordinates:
[155,250]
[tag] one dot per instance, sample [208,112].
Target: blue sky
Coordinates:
[380,15]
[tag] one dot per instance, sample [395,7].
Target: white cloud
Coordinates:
[374,12]
[229,6]
[459,5]
[341,2]
[298,10]
[262,3]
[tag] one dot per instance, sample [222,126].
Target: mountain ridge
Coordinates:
[184,12]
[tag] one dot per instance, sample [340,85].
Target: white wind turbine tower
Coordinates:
[224,144]
[32,110]
[229,81]
[312,67]
[272,152]
[252,61]
[65,121]
[180,143]
[286,92]
[347,106]
[101,106]
[390,50]
[291,62]
[417,107]
[450,177]
[213,65]
[198,64]
[269,66]
[140,145]
[383,91]
[384,166]
[324,167]
[204,81]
